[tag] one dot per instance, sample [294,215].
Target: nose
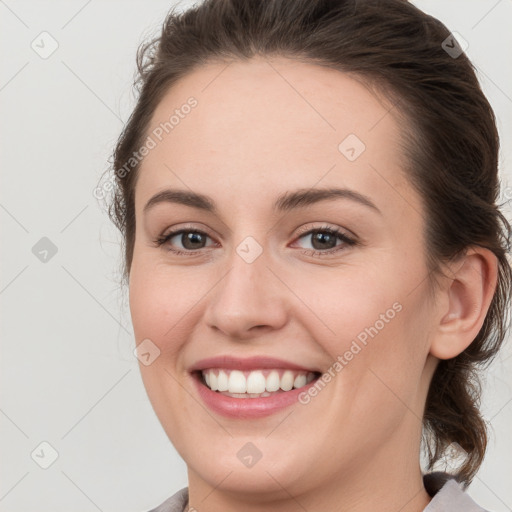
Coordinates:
[248,300]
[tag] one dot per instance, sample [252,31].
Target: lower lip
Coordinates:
[248,407]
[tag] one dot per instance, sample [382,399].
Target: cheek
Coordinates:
[368,320]
[161,308]
[162,301]
[149,317]
[347,304]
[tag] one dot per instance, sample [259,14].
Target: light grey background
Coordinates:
[68,375]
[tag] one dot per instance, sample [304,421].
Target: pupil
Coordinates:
[322,237]
[191,238]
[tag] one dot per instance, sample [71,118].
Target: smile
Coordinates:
[256,383]
[246,405]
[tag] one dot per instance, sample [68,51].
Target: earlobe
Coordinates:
[469,296]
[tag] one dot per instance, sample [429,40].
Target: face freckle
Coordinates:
[360,314]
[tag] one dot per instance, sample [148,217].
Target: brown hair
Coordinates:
[451,146]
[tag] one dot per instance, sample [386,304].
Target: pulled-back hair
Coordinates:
[451,147]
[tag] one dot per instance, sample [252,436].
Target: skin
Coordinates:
[261,128]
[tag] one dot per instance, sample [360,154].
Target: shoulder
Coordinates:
[447,494]
[176,503]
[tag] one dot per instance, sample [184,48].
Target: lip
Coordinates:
[247,408]
[251,363]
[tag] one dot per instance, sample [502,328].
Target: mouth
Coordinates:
[253,384]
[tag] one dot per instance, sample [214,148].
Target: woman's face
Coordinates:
[257,282]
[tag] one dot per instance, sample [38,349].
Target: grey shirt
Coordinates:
[447,496]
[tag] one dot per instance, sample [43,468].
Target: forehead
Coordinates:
[267,124]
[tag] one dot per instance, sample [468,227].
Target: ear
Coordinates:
[465,302]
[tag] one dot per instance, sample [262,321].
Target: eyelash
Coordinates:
[350,242]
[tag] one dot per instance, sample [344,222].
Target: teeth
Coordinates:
[273,381]
[213,382]
[287,380]
[255,383]
[237,382]
[222,381]
[299,381]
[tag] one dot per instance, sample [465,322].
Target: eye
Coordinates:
[191,240]
[324,240]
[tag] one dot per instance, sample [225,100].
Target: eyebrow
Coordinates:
[284,203]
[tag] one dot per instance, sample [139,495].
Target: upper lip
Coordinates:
[250,363]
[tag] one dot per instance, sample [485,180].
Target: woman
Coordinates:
[316,262]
